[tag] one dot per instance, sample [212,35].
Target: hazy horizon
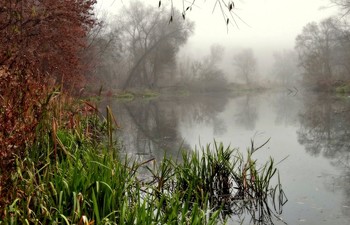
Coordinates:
[265,26]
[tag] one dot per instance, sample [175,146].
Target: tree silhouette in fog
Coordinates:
[323,50]
[150,43]
[344,6]
[245,65]
[203,75]
[285,68]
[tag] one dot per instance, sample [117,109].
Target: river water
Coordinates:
[310,141]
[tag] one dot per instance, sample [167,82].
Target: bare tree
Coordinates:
[344,6]
[245,64]
[216,54]
[320,48]
[151,42]
[285,67]
[203,75]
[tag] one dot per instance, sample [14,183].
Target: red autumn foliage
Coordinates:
[45,37]
[20,111]
[41,44]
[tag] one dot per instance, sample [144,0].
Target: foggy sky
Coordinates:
[269,25]
[274,22]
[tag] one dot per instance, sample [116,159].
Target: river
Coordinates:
[310,141]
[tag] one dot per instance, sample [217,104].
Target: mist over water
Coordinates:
[309,141]
[249,81]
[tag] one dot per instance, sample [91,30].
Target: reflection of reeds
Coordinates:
[71,176]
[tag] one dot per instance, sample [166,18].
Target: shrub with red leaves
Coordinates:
[41,44]
[45,36]
[18,111]
[40,41]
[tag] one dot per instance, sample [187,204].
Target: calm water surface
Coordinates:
[309,133]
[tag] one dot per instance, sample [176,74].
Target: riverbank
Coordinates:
[73,174]
[231,89]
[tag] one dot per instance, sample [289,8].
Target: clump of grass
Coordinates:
[228,182]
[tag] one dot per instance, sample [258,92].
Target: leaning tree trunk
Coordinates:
[143,57]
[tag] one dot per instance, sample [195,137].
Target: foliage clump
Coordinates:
[42,44]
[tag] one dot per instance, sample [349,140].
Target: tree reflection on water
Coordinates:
[324,126]
[150,127]
[324,130]
[247,114]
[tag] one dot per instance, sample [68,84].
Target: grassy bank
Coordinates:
[74,174]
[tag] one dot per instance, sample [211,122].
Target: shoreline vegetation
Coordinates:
[72,173]
[340,89]
[177,91]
